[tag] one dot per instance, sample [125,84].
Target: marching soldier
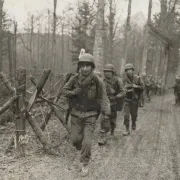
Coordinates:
[133,87]
[155,85]
[177,90]
[88,97]
[149,84]
[159,85]
[115,92]
[142,97]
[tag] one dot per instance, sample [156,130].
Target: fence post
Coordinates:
[20,113]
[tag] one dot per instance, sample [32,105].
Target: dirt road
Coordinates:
[151,153]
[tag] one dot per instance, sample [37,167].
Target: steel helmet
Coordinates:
[143,74]
[178,77]
[109,67]
[86,58]
[129,66]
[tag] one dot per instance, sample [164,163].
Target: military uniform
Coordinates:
[87,97]
[148,88]
[159,86]
[115,92]
[134,87]
[177,90]
[155,86]
[142,95]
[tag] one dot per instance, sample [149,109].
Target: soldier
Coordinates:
[115,92]
[149,84]
[88,97]
[159,85]
[177,90]
[155,85]
[142,97]
[134,87]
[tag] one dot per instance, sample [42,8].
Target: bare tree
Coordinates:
[10,53]
[111,29]
[14,47]
[99,34]
[146,40]
[127,29]
[54,35]
[1,31]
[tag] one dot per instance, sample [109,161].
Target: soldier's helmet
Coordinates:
[129,66]
[86,58]
[143,74]
[178,77]
[109,67]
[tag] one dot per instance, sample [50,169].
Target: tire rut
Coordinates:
[155,153]
[175,146]
[120,151]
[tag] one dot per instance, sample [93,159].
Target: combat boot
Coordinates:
[112,132]
[102,140]
[84,171]
[134,125]
[127,131]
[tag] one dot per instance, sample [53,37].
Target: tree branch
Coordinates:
[22,40]
[160,33]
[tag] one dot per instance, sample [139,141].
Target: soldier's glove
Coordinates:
[135,86]
[112,98]
[129,90]
[77,91]
[119,96]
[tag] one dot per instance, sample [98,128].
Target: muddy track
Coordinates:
[175,146]
[150,153]
[156,139]
[120,150]
[150,122]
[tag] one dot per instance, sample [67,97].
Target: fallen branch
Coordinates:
[60,91]
[39,88]
[34,81]
[7,83]
[7,105]
[42,138]
[60,117]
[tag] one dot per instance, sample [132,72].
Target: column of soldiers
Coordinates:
[152,86]
[92,96]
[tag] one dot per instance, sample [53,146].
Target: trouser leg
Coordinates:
[134,113]
[113,119]
[76,132]
[127,107]
[89,127]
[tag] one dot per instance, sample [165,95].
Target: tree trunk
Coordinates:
[48,63]
[127,29]
[1,32]
[20,121]
[165,69]
[111,28]
[62,43]
[15,48]
[54,37]
[31,42]
[38,49]
[98,51]
[146,40]
[10,55]
[166,49]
